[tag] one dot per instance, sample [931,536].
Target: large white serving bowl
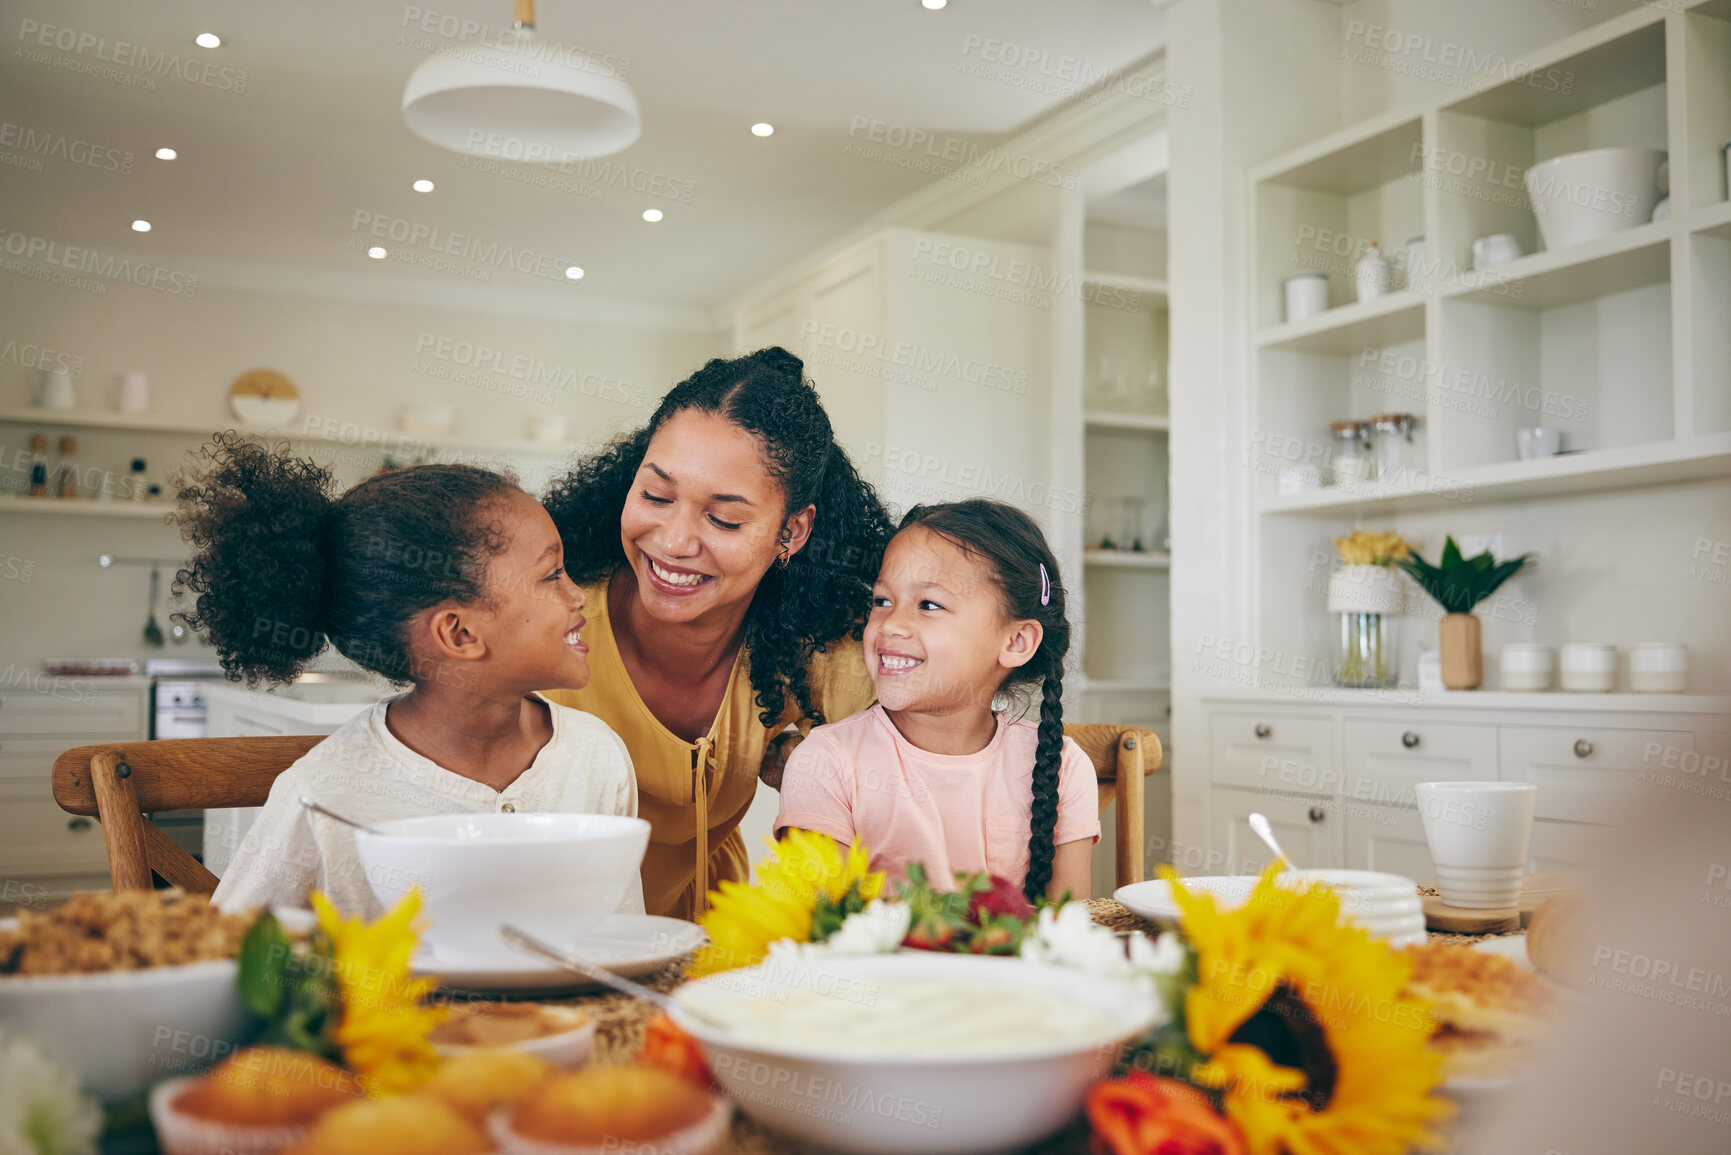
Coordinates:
[1582,196]
[120,1031]
[919,1104]
[553,875]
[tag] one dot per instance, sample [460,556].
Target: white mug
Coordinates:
[57,390]
[134,393]
[1306,295]
[1478,834]
[1496,249]
[1538,442]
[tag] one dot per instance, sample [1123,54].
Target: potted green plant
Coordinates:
[1457,585]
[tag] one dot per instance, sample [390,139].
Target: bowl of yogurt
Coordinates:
[913,1052]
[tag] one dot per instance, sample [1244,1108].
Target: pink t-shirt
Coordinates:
[952,812]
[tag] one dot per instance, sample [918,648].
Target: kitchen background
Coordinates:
[1070,219]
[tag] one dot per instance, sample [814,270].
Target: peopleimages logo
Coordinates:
[79,259]
[38,36]
[37,144]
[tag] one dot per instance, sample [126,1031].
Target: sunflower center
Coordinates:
[1286,1030]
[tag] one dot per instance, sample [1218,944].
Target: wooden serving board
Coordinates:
[1438,916]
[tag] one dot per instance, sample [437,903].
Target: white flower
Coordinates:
[878,929]
[1072,938]
[42,1109]
[1163,956]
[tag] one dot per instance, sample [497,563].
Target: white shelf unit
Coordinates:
[1125,584]
[381,441]
[1622,343]
[84,507]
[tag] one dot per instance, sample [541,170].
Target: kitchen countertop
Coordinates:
[323,701]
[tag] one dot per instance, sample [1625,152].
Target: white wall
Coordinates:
[356,363]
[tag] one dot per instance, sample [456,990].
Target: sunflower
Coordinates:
[806,871]
[383,1032]
[1304,1027]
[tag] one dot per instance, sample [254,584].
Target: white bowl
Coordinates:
[909,1101]
[570,1048]
[553,875]
[121,1031]
[1582,196]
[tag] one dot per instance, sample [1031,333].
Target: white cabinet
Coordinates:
[44,851]
[1308,828]
[1386,760]
[1583,772]
[1386,838]
[1360,811]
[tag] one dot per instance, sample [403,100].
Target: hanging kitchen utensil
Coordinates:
[152,631]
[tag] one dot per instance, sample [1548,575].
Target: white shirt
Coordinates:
[363,771]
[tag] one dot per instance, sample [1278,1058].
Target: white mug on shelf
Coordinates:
[1527,668]
[1589,668]
[1658,667]
[1306,294]
[134,394]
[1496,249]
[1538,442]
[56,390]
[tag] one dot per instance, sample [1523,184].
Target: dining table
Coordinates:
[620,1022]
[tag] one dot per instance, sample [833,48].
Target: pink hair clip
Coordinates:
[1045,586]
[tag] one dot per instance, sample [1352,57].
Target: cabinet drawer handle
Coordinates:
[1317,814]
[1263,729]
[1583,748]
[1409,739]
[78,824]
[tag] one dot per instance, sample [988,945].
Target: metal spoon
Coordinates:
[317,808]
[1266,832]
[152,631]
[528,943]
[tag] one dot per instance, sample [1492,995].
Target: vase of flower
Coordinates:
[1457,585]
[1368,597]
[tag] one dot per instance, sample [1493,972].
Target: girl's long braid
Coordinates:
[1047,753]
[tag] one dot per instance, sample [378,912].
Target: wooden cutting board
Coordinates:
[1454,920]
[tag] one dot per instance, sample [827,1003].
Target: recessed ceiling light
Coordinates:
[763,128]
[141,226]
[423,186]
[573,274]
[933,5]
[651,215]
[166,154]
[207,40]
[377,252]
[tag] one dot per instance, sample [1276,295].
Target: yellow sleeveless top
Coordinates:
[693,794]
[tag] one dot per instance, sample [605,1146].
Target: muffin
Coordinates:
[413,1124]
[611,1109]
[260,1099]
[476,1084]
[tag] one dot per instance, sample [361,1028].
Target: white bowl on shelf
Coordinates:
[1582,196]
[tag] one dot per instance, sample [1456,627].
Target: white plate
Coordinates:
[1511,946]
[1153,899]
[626,944]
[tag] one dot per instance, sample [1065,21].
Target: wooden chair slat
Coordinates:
[120,782]
[1122,756]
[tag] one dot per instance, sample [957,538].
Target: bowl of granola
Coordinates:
[125,989]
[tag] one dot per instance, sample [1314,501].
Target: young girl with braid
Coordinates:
[968,605]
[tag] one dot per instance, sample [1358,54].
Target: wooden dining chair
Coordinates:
[1122,757]
[120,782]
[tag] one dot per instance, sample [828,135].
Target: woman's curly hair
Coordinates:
[280,564]
[824,594]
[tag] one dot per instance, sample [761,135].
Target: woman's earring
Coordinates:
[784,557]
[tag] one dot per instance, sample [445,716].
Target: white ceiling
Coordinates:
[276,174]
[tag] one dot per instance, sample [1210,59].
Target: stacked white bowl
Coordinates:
[1386,905]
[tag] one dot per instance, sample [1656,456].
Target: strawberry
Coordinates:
[999,896]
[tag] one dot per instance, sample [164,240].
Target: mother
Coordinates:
[723,605]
